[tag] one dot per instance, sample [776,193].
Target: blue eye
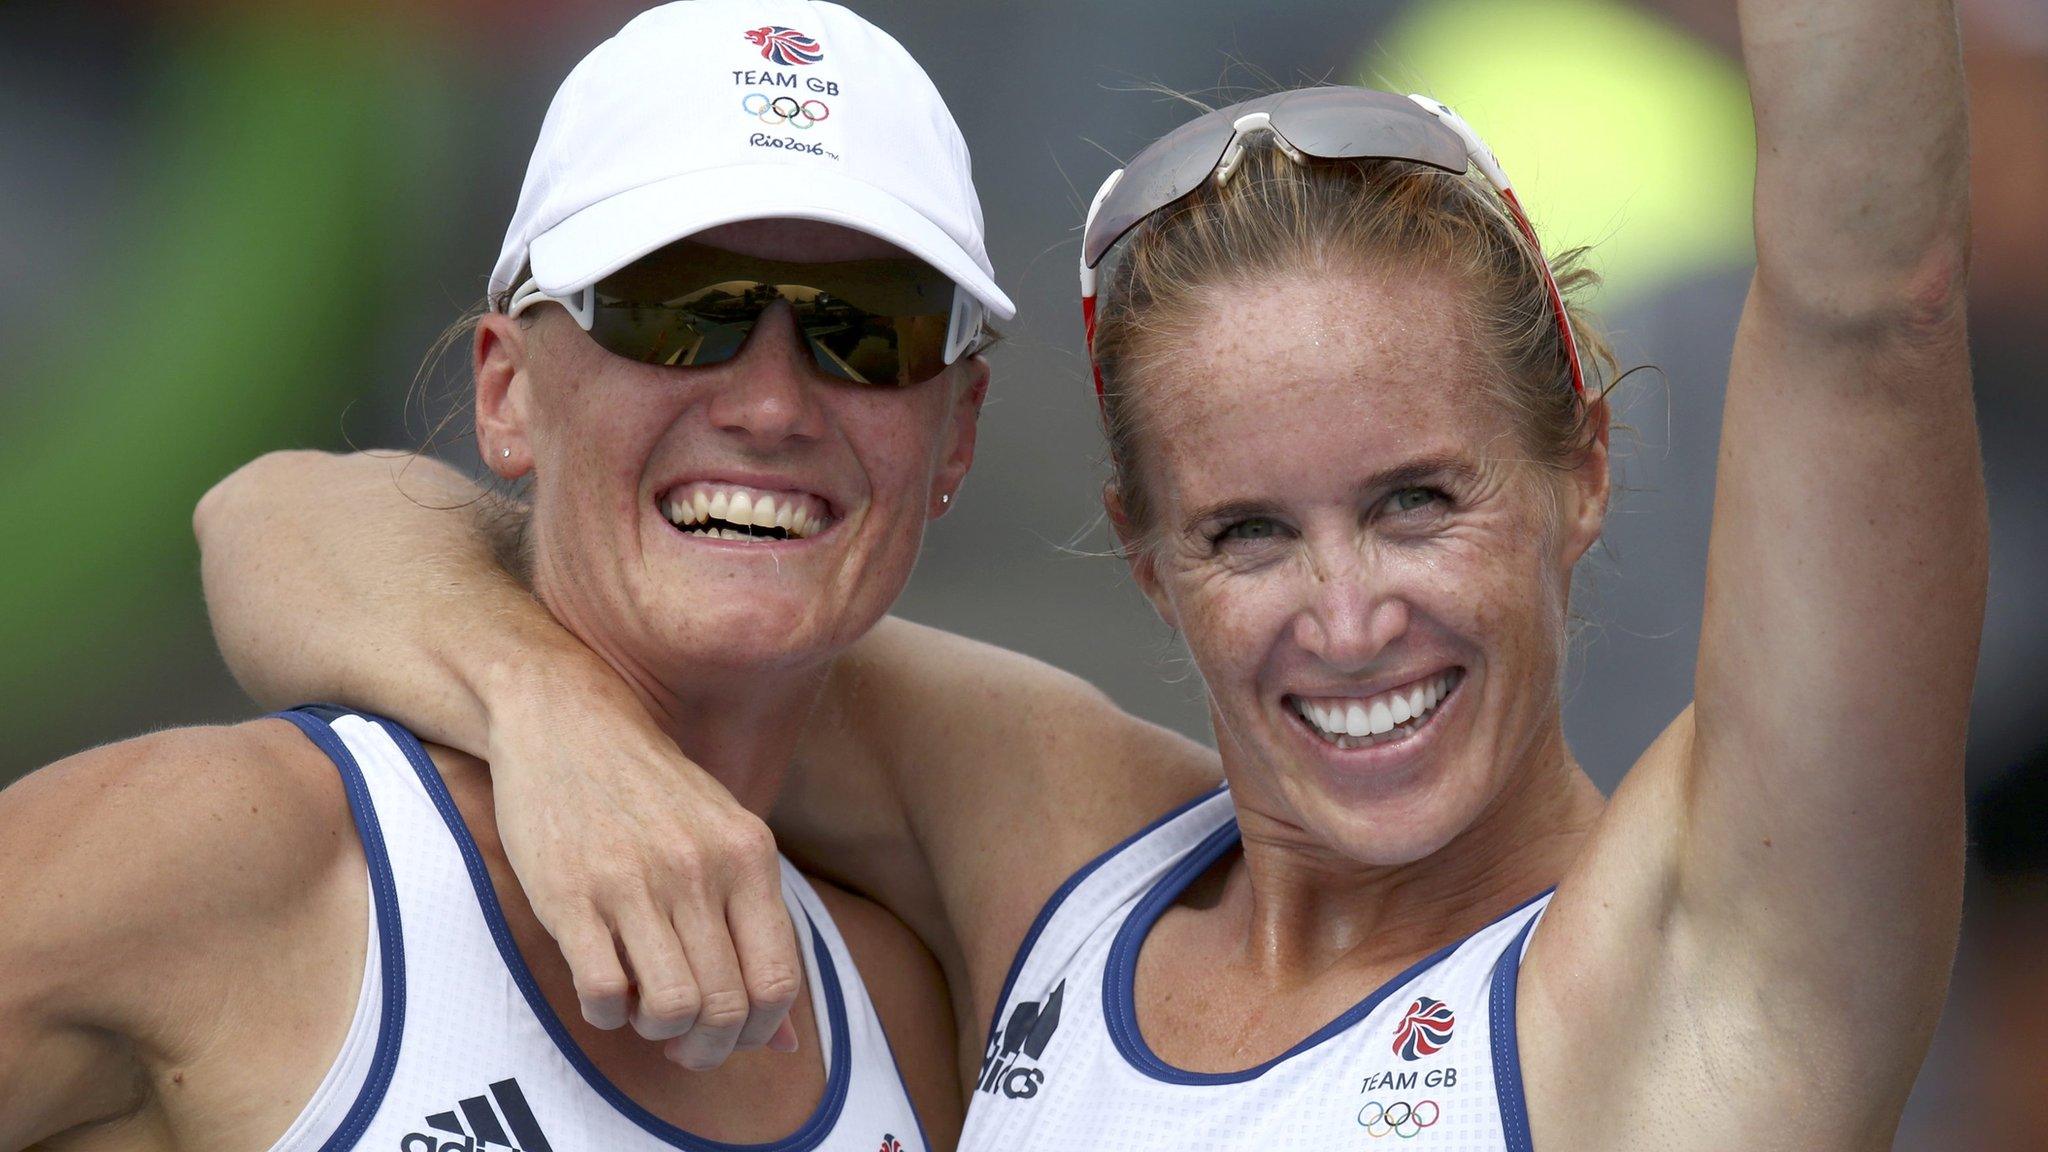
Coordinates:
[1257,528]
[1413,499]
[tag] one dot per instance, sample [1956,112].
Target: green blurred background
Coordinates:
[227,228]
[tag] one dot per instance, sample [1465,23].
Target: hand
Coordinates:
[663,892]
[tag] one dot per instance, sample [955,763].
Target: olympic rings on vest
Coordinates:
[785,109]
[1400,1118]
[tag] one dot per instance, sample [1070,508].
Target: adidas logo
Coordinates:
[509,1125]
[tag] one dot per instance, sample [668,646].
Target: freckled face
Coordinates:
[1372,585]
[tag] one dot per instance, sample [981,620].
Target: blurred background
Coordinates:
[230,227]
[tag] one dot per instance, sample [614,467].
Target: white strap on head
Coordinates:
[582,305]
[1094,206]
[1488,164]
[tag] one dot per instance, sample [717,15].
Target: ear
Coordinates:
[963,422]
[1587,490]
[1144,564]
[499,356]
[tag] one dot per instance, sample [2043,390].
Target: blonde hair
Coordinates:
[1276,216]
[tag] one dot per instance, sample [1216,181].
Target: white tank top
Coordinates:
[454,1049]
[1427,1063]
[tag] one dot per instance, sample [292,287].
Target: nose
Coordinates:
[767,393]
[1349,616]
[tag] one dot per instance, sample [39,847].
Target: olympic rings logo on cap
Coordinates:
[785,109]
[1400,1118]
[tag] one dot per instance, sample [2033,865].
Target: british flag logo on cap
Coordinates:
[785,46]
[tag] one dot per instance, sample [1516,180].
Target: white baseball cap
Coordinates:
[705,112]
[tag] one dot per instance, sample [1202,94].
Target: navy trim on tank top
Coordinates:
[923,1141]
[837,1077]
[1120,975]
[312,721]
[1066,888]
[1507,1052]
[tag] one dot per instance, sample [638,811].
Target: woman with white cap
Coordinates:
[302,933]
[1410,917]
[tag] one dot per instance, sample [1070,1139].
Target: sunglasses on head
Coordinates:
[892,322]
[1328,123]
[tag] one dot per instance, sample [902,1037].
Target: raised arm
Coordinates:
[1806,815]
[1846,570]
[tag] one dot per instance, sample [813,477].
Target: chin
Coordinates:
[1380,802]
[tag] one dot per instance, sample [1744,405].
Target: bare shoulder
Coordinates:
[910,995]
[1631,1004]
[141,876]
[176,830]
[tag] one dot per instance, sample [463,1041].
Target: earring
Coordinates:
[945,497]
[505,452]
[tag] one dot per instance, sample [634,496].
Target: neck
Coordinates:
[1308,908]
[740,725]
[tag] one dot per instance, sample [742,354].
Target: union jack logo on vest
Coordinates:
[1425,1028]
[890,1143]
[785,46]
[510,1125]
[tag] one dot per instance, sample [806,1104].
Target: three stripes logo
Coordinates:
[785,46]
[509,1125]
[1425,1028]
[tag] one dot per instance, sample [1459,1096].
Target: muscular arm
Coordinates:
[954,783]
[167,899]
[1806,816]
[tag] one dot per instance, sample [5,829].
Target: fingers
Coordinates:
[667,1001]
[723,1005]
[601,985]
[771,967]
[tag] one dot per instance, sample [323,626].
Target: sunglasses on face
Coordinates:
[890,322]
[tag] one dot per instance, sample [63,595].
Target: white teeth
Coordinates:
[754,515]
[1343,721]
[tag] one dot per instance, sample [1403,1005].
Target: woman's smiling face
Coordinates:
[1371,576]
